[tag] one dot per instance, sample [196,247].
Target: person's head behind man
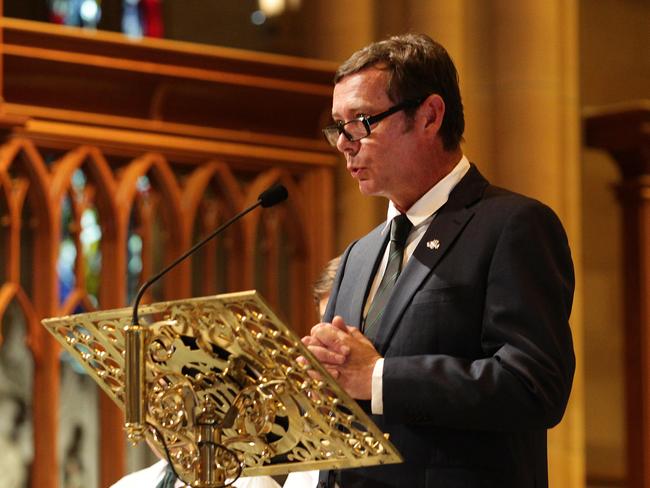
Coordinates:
[323,285]
[408,150]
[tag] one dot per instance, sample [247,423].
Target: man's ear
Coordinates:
[433,111]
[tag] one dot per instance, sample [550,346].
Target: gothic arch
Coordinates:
[286,219]
[215,175]
[218,174]
[101,197]
[164,181]
[10,292]
[91,158]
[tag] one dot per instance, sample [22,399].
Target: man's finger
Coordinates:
[335,373]
[327,356]
[310,341]
[332,338]
[340,324]
[319,326]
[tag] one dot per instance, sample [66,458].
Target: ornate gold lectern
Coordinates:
[216,388]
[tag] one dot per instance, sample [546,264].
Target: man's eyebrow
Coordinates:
[356,109]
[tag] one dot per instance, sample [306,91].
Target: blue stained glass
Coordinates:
[78,182]
[135,253]
[89,236]
[81,13]
[67,253]
[131,19]
[143,185]
[134,243]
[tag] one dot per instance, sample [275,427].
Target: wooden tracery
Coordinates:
[171,140]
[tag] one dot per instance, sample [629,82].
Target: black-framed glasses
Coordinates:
[358,128]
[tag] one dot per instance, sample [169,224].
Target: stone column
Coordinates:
[537,152]
[338,29]
[622,132]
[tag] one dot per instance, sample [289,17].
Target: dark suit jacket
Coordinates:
[478,352]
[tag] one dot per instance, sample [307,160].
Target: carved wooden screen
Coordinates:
[100,188]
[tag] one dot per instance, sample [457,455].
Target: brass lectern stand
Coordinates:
[216,388]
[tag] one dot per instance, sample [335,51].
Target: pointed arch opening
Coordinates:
[149,204]
[211,196]
[82,190]
[279,251]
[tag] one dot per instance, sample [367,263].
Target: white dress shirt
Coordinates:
[420,214]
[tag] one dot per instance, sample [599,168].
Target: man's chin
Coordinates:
[367,188]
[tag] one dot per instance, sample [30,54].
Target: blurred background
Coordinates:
[129,128]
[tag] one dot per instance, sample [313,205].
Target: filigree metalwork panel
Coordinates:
[230,360]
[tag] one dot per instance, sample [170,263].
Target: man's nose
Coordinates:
[344,145]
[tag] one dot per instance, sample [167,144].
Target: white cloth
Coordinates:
[420,214]
[302,479]
[144,478]
[151,476]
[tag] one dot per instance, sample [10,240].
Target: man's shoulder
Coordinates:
[490,198]
[502,209]
[494,197]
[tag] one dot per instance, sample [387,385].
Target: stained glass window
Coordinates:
[82,13]
[80,244]
[137,229]
[78,269]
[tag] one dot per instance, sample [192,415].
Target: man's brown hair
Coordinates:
[324,282]
[417,66]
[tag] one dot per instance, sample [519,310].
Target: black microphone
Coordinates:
[273,195]
[269,197]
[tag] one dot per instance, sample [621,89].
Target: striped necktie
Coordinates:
[399,230]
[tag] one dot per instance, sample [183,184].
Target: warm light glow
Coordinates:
[89,12]
[272,7]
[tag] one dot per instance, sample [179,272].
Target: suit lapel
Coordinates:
[434,245]
[364,259]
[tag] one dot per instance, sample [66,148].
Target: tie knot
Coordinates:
[400,229]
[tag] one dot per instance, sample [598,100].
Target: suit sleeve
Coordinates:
[523,379]
[336,284]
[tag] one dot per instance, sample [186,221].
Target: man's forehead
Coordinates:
[359,90]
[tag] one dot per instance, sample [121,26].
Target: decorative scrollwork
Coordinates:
[222,372]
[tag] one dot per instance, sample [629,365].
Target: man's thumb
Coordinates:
[339,323]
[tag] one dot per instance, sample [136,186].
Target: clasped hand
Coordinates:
[347,355]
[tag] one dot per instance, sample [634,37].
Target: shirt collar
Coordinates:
[429,203]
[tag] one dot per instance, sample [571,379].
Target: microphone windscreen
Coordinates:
[276,194]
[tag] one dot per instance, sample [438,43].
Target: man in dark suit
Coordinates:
[449,322]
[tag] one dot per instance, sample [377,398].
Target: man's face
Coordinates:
[381,162]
